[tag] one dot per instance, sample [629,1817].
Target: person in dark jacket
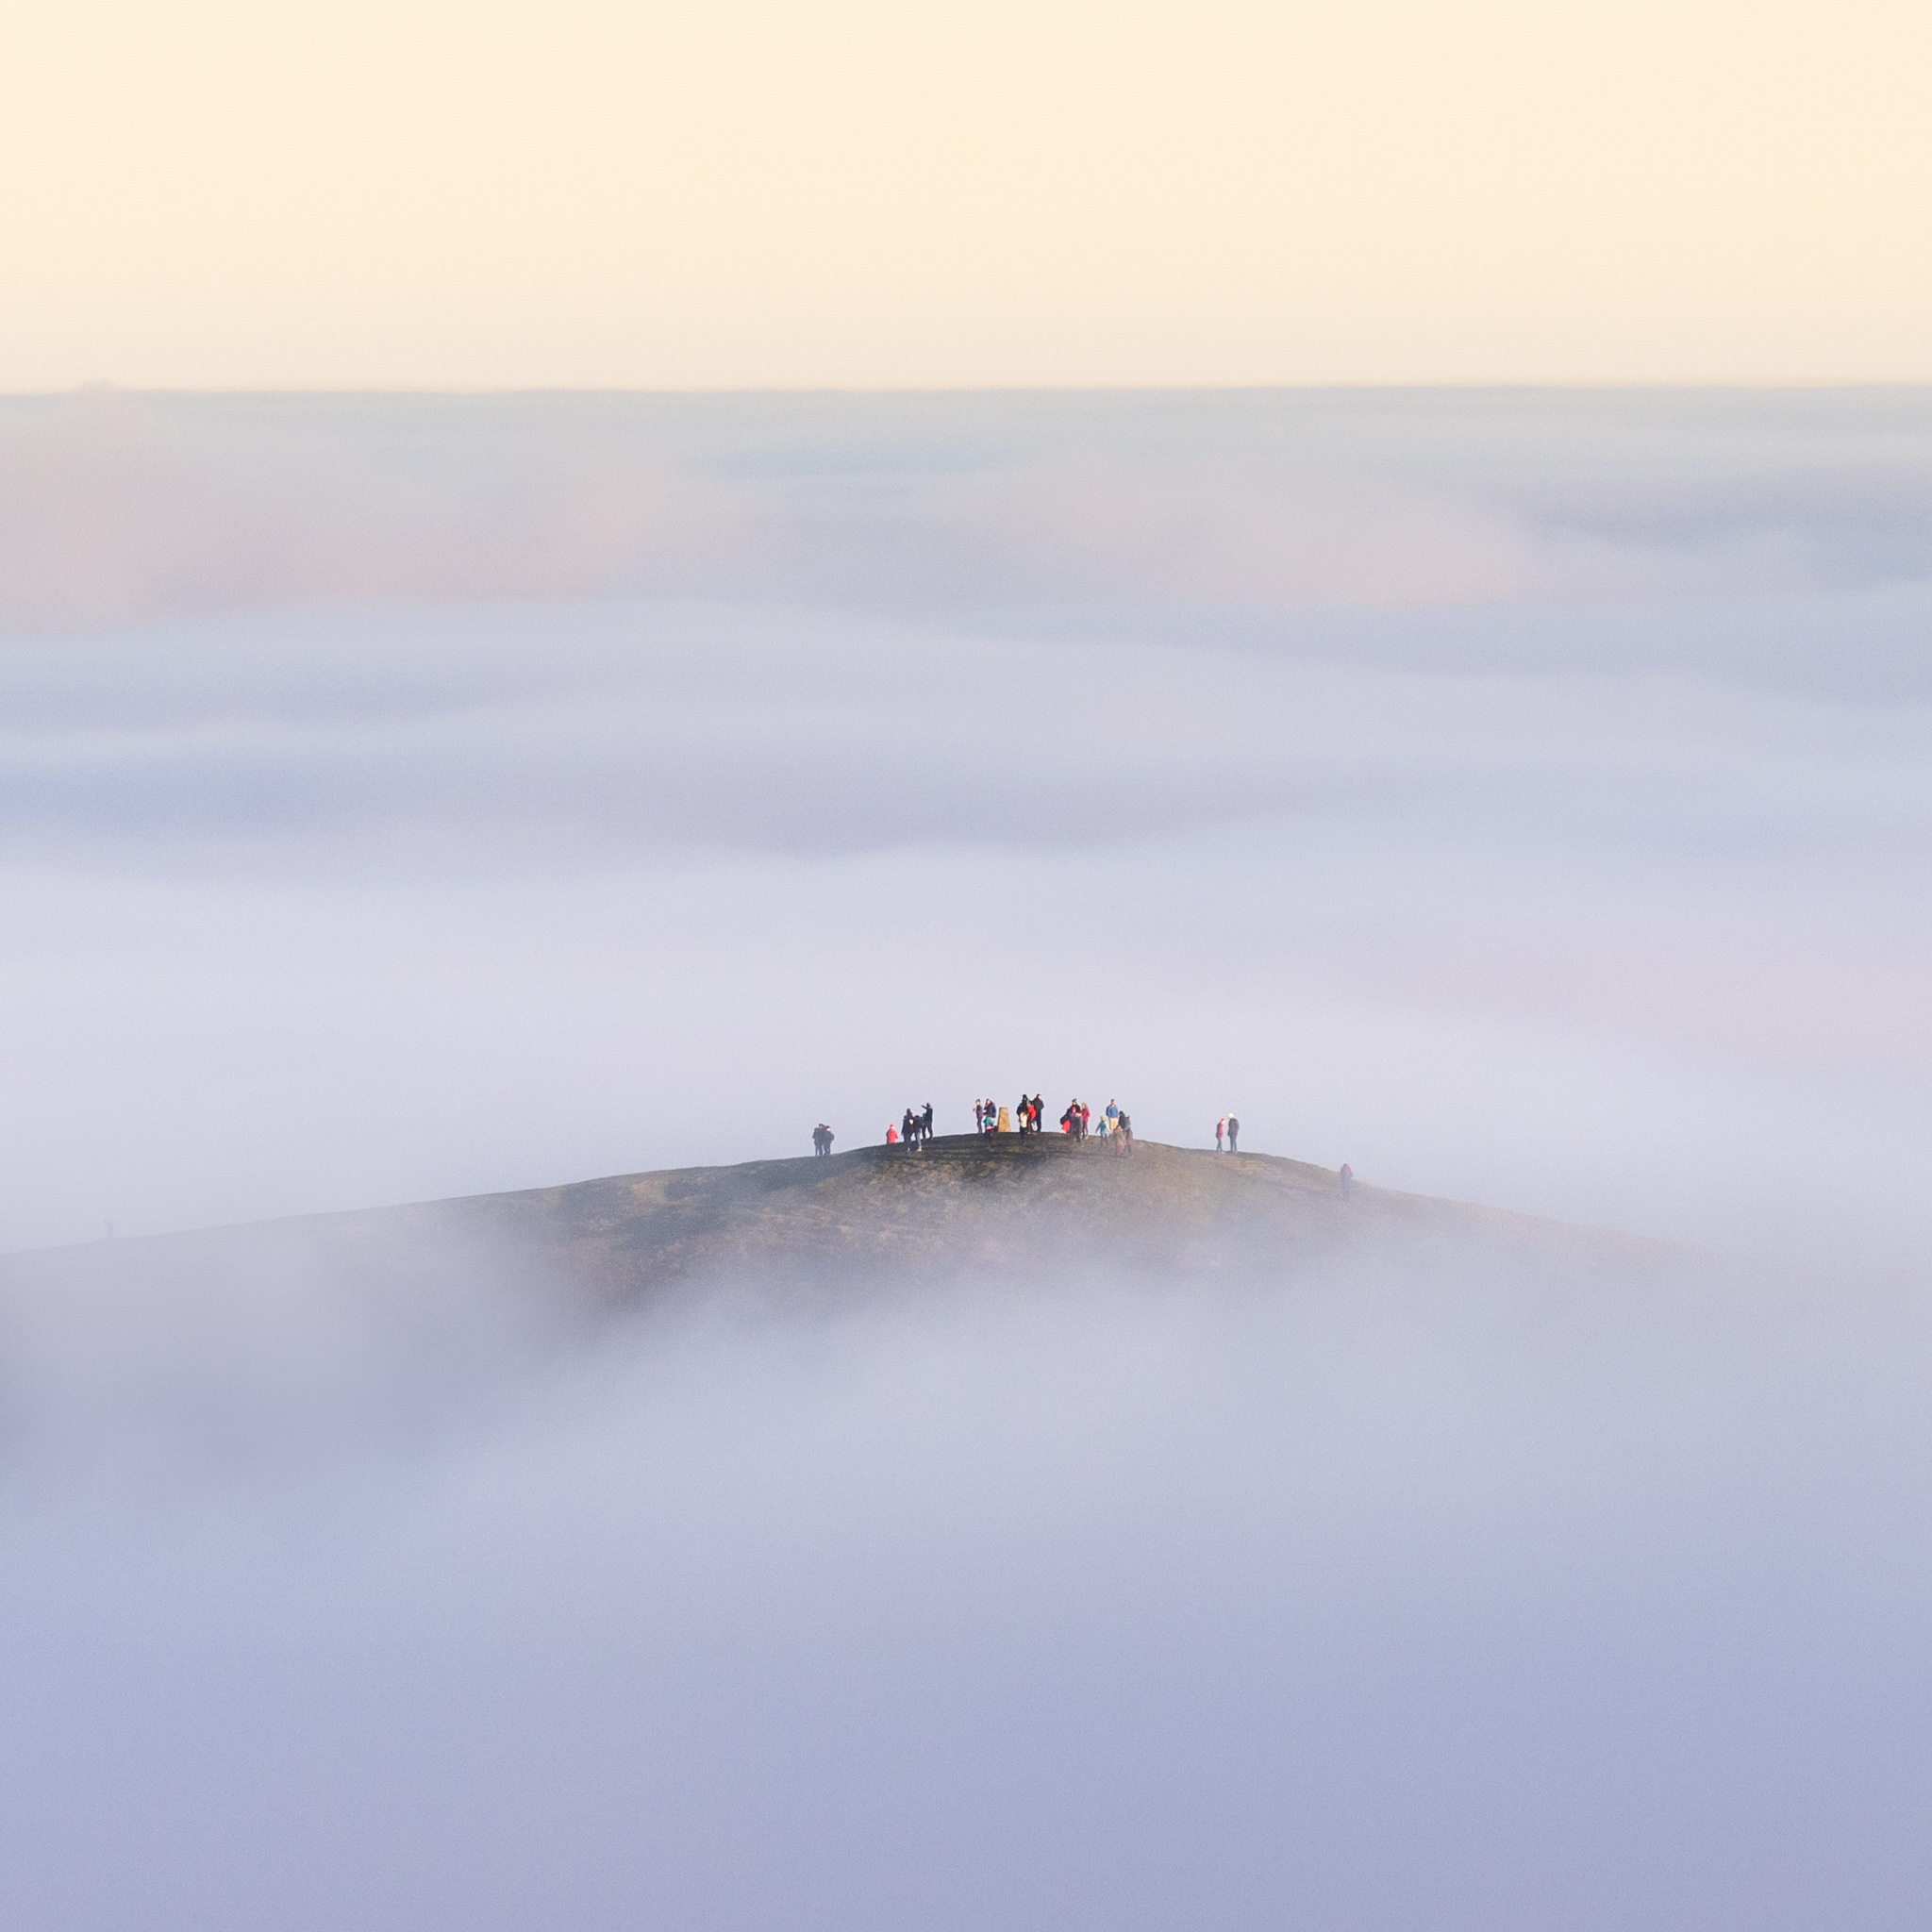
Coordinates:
[1233,1135]
[822,1139]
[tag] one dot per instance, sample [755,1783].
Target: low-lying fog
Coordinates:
[1437,1605]
[1522,797]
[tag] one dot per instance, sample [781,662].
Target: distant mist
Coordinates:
[1523,796]
[1451,1602]
[125,506]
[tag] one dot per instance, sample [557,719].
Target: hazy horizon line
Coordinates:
[1527,385]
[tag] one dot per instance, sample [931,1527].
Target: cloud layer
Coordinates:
[123,505]
[1523,797]
[1520,793]
[1449,1604]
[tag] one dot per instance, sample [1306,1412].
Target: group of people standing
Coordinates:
[914,1129]
[989,1117]
[1028,1116]
[1115,1127]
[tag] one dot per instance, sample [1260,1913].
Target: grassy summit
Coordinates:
[1004,1205]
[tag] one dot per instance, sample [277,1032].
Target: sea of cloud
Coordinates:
[1521,796]
[1437,1603]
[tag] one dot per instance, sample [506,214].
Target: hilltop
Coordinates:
[1005,1204]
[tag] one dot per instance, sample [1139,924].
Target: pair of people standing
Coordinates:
[1074,1120]
[914,1129]
[821,1138]
[1229,1129]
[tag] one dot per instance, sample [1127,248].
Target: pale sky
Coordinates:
[870,193]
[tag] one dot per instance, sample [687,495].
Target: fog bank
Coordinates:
[125,506]
[1519,795]
[1458,1603]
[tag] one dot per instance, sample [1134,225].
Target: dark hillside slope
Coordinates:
[1003,1205]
